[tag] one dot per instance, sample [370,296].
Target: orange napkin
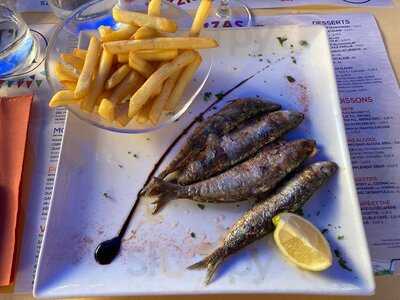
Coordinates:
[14,117]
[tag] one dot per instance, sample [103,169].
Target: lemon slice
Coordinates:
[301,242]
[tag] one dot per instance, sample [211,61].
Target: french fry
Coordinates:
[106,110]
[154,8]
[157,55]
[103,71]
[69,85]
[118,47]
[140,19]
[85,78]
[117,76]
[139,64]
[142,117]
[201,15]
[145,32]
[127,87]
[182,82]
[143,94]
[123,58]
[123,33]
[161,99]
[63,73]
[62,98]
[121,114]
[103,31]
[104,94]
[72,60]
[80,53]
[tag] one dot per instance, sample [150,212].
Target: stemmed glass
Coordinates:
[229,13]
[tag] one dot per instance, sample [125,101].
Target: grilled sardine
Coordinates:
[257,222]
[244,181]
[222,153]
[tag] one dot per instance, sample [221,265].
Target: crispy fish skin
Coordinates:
[220,123]
[220,154]
[257,175]
[257,222]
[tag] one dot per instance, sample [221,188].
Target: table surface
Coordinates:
[387,288]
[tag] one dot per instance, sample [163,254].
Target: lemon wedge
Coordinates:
[301,242]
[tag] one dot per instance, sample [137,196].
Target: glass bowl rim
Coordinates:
[113,128]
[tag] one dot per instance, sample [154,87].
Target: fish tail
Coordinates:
[152,189]
[165,190]
[159,203]
[211,263]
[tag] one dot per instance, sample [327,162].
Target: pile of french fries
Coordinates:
[135,72]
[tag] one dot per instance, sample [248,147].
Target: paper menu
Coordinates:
[370,101]
[32,5]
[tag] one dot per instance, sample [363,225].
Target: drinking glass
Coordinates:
[63,8]
[230,13]
[18,48]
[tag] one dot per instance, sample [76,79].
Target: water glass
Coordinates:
[63,8]
[17,46]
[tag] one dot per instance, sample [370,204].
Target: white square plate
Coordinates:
[100,173]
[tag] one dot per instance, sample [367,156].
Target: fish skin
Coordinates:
[257,221]
[222,153]
[220,123]
[244,181]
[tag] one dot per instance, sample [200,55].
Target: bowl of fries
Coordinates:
[129,67]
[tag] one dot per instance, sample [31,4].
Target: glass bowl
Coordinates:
[70,34]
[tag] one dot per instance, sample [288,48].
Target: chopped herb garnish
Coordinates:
[293,59]
[207,96]
[303,43]
[135,155]
[340,237]
[325,230]
[106,195]
[192,234]
[337,252]
[290,79]
[201,206]
[220,95]
[281,40]
[344,265]
[291,46]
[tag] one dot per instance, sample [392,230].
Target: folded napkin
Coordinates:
[14,117]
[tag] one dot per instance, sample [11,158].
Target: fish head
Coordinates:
[325,168]
[291,118]
[308,147]
[254,104]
